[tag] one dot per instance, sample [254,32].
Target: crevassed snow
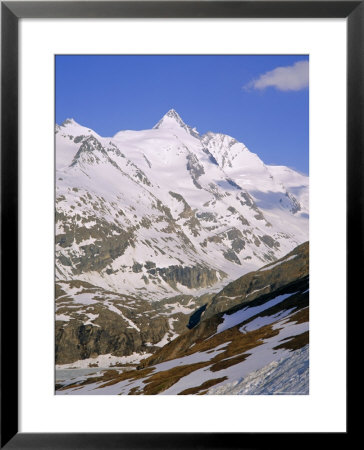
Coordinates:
[287,376]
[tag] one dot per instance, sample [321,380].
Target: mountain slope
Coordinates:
[256,346]
[165,212]
[265,280]
[91,321]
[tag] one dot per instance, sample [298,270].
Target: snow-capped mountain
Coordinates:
[167,211]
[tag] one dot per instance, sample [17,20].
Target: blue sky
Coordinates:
[260,100]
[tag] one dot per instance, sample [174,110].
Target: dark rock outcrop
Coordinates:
[192,277]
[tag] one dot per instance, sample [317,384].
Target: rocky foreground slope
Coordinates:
[248,340]
[92,321]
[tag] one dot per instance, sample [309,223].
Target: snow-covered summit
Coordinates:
[171,115]
[69,121]
[172,120]
[70,128]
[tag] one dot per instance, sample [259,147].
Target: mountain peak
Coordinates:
[170,119]
[174,115]
[173,120]
[69,121]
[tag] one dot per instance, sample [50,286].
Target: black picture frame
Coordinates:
[11,12]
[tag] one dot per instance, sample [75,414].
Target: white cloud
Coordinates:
[289,78]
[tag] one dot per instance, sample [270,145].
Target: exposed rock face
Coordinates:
[293,266]
[92,321]
[230,255]
[195,169]
[107,243]
[192,277]
[109,333]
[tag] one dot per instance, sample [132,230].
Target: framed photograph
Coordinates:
[180,191]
